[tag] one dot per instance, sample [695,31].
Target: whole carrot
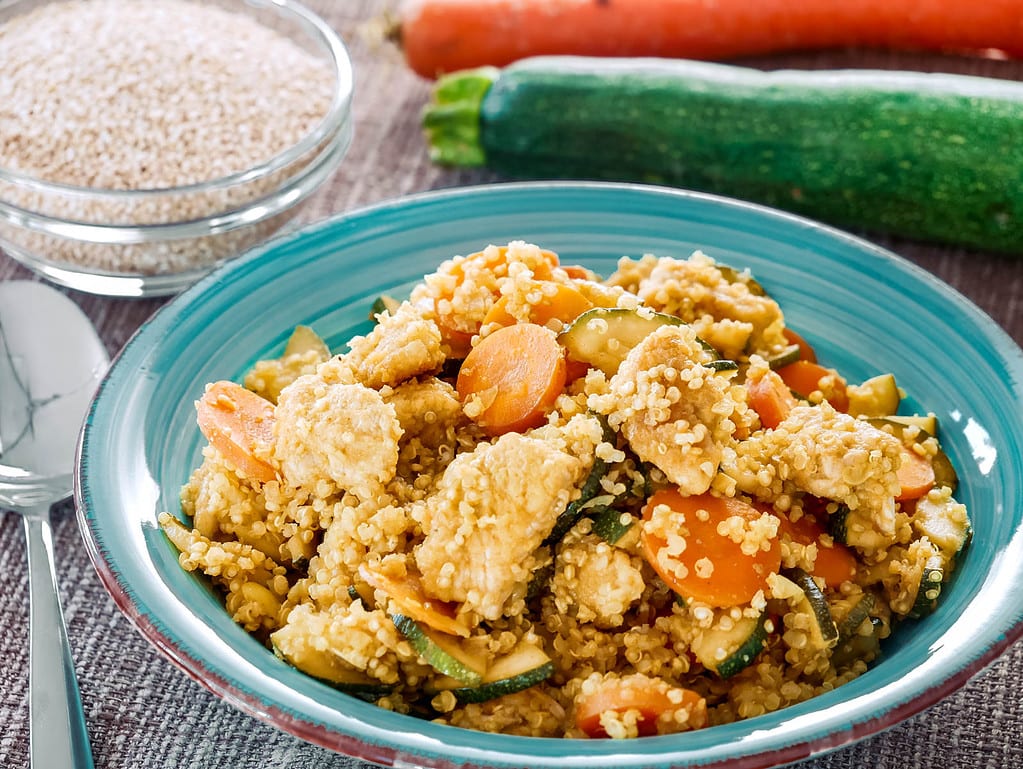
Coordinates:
[446,35]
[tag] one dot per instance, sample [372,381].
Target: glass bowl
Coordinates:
[156,241]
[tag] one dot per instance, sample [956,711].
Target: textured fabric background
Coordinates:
[143,712]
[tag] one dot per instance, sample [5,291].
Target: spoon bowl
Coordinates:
[51,361]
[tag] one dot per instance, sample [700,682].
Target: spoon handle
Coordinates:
[58,737]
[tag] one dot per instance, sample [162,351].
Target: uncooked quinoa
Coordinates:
[149,95]
[538,502]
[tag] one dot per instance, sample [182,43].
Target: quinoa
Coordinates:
[649,559]
[120,95]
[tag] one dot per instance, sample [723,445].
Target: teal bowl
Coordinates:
[865,310]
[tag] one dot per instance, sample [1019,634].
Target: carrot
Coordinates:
[577,272]
[806,352]
[408,597]
[716,570]
[517,372]
[771,398]
[560,302]
[916,475]
[835,562]
[804,377]
[638,693]
[445,35]
[239,424]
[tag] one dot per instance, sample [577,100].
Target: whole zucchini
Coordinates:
[929,156]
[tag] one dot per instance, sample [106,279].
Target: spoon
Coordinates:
[50,364]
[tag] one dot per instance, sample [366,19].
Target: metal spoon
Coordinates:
[50,364]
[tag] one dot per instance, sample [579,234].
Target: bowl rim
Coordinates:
[404,747]
[337,115]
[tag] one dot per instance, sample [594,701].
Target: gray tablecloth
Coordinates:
[142,711]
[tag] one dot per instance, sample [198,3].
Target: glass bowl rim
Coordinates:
[338,114]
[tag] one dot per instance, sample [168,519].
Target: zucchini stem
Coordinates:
[452,118]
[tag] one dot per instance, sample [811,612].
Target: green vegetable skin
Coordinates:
[930,156]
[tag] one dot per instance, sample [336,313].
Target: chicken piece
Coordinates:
[828,454]
[674,411]
[400,347]
[726,309]
[492,509]
[344,435]
[429,411]
[832,455]
[595,581]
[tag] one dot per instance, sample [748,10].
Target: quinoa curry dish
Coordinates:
[535,501]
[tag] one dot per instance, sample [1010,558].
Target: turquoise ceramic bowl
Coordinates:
[865,310]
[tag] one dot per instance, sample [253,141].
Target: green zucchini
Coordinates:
[383,303]
[878,396]
[338,675]
[587,495]
[945,523]
[445,654]
[929,156]
[611,525]
[930,587]
[302,340]
[823,630]
[524,666]
[726,652]
[603,337]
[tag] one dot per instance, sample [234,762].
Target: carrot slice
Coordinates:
[239,424]
[771,398]
[916,475]
[805,350]
[835,562]
[408,597]
[517,373]
[804,377]
[712,568]
[576,271]
[640,694]
[560,302]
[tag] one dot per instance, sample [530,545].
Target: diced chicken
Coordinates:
[400,347]
[344,433]
[724,309]
[492,510]
[674,411]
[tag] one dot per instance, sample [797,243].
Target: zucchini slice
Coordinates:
[945,523]
[836,525]
[587,496]
[443,653]
[855,618]
[611,525]
[878,396]
[302,340]
[788,355]
[726,652]
[383,303]
[524,666]
[858,647]
[603,337]
[930,587]
[823,630]
[338,675]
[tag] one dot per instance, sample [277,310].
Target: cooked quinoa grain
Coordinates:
[650,559]
[149,95]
